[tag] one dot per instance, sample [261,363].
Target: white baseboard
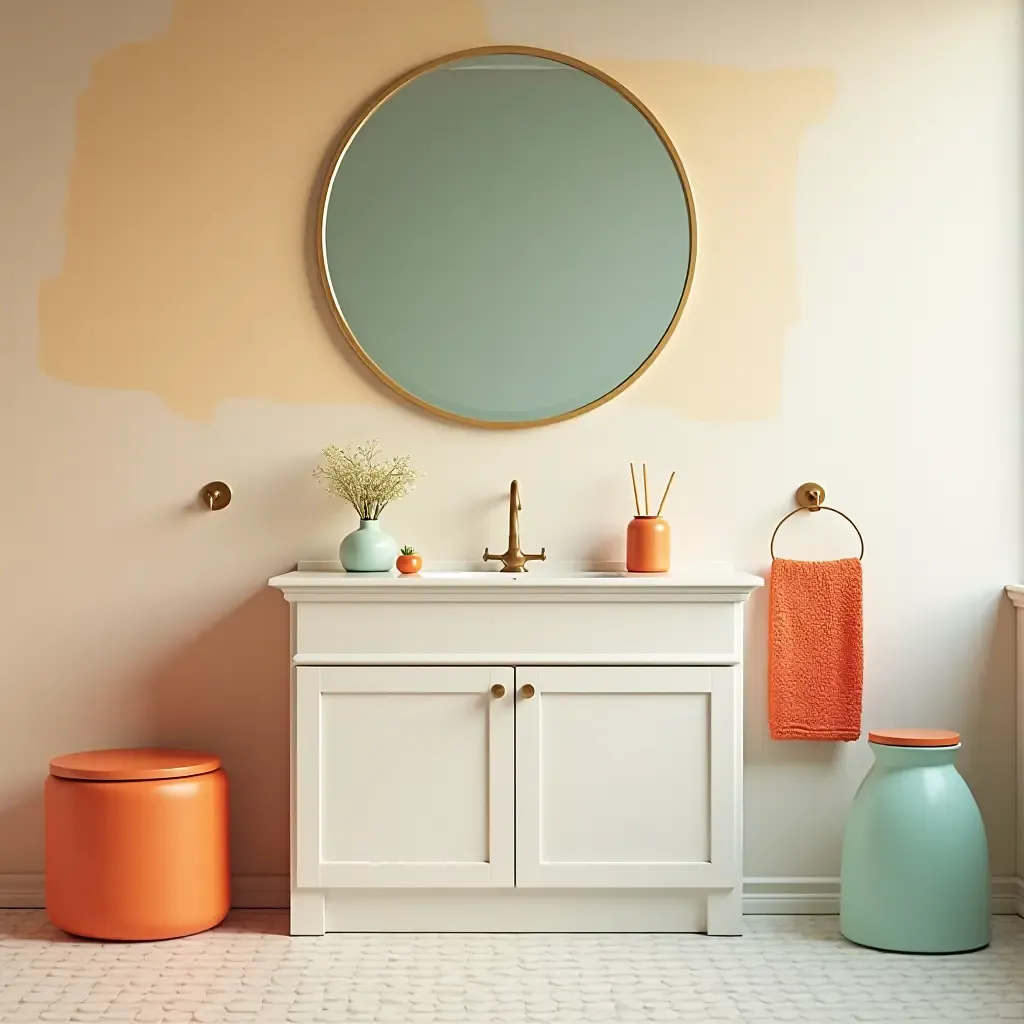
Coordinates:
[25,892]
[791,895]
[21,892]
[821,895]
[760,895]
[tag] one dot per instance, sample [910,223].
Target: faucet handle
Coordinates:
[535,558]
[488,557]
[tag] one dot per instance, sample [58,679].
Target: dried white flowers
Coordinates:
[364,478]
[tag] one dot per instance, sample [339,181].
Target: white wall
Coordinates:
[130,618]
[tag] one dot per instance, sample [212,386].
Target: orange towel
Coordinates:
[815,650]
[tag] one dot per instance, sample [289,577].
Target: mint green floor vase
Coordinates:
[915,875]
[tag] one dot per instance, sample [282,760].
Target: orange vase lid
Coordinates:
[915,737]
[133,765]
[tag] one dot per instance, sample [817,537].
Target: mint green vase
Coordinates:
[368,549]
[915,873]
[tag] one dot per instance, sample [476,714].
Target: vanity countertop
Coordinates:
[706,580]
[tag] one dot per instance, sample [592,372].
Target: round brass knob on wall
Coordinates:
[527,691]
[216,495]
[497,691]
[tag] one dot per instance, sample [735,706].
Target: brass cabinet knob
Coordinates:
[527,691]
[497,691]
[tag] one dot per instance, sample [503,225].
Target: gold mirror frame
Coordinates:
[368,110]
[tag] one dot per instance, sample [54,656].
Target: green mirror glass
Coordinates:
[507,237]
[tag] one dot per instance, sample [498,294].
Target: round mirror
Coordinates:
[506,237]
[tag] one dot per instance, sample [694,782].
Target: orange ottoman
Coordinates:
[137,843]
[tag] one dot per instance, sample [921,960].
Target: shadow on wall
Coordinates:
[23,814]
[224,690]
[988,758]
[227,692]
[985,682]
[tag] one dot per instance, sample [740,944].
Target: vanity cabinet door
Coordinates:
[405,776]
[627,777]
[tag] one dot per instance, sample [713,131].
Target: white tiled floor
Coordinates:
[785,968]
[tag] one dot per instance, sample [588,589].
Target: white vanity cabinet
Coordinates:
[497,752]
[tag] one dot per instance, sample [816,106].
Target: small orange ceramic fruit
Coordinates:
[409,562]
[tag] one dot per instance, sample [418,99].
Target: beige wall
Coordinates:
[855,318]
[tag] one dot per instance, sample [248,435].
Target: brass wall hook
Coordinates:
[216,495]
[810,496]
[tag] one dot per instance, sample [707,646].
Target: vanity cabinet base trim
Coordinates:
[548,910]
[725,912]
[308,912]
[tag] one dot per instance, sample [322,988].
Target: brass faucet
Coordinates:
[514,560]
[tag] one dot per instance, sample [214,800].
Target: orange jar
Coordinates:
[137,843]
[648,544]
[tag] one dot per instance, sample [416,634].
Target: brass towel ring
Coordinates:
[809,498]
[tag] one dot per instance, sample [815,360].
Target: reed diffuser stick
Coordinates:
[665,495]
[636,497]
[647,506]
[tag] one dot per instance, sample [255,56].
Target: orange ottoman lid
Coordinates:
[133,765]
[915,737]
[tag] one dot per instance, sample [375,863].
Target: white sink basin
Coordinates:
[497,576]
